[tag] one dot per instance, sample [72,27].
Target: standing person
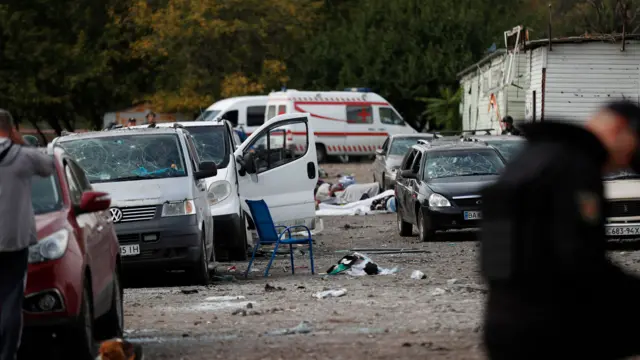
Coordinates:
[509,129]
[151,119]
[553,293]
[18,164]
[131,122]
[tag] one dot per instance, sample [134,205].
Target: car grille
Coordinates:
[129,238]
[468,202]
[138,213]
[622,208]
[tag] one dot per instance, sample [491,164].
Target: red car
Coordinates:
[73,289]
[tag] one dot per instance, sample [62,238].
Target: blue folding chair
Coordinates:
[267,234]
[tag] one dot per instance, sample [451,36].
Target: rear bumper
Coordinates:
[443,219]
[623,230]
[167,243]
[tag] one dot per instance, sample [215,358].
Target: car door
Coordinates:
[283,178]
[200,193]
[402,183]
[413,185]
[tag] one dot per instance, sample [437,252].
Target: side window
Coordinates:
[236,139]
[415,168]
[75,192]
[385,146]
[193,155]
[389,116]
[359,114]
[255,115]
[232,116]
[276,147]
[408,160]
[282,109]
[271,112]
[81,177]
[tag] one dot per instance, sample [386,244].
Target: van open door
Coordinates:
[276,171]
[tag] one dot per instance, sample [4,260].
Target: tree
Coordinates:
[443,112]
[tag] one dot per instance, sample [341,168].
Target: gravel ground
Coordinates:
[380,317]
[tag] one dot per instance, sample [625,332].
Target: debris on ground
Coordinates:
[438,291]
[357,264]
[418,275]
[225,298]
[189,291]
[361,207]
[225,278]
[331,293]
[303,328]
[232,269]
[270,288]
[452,281]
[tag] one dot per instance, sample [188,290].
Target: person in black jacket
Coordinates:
[151,119]
[553,293]
[509,129]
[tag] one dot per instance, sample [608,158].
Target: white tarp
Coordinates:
[362,207]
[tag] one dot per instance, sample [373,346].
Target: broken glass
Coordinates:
[451,163]
[508,149]
[211,144]
[128,157]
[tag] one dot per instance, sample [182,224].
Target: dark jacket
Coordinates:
[543,250]
[512,131]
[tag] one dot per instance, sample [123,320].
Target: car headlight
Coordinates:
[218,191]
[51,247]
[437,200]
[179,208]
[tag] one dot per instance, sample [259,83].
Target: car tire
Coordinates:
[200,271]
[239,251]
[321,153]
[404,228]
[81,342]
[111,324]
[425,232]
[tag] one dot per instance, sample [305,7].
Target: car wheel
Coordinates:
[321,153]
[81,341]
[239,251]
[201,268]
[111,324]
[404,228]
[424,229]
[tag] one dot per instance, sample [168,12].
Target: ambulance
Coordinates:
[354,122]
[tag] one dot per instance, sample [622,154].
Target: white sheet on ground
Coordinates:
[362,207]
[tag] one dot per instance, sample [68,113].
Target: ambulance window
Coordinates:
[282,109]
[389,117]
[232,117]
[255,115]
[271,112]
[359,114]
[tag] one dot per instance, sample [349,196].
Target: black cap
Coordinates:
[628,110]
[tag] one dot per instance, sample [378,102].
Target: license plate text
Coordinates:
[129,250]
[472,215]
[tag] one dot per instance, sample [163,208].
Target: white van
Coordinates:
[352,123]
[245,112]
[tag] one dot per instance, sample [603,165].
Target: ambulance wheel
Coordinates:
[321,153]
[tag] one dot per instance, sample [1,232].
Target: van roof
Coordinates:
[224,103]
[116,132]
[185,124]
[328,96]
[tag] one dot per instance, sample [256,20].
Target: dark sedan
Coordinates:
[508,145]
[389,157]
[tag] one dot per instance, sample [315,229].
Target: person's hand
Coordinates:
[16,138]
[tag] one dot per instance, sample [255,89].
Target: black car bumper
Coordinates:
[168,243]
[451,218]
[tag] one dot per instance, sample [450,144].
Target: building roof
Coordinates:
[587,38]
[486,59]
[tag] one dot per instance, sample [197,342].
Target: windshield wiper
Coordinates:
[126,178]
[479,173]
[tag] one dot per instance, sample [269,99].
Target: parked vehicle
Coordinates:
[351,123]
[438,187]
[389,157]
[159,198]
[244,112]
[217,141]
[622,191]
[73,286]
[508,145]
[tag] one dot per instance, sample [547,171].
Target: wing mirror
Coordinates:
[31,140]
[379,152]
[247,163]
[207,169]
[93,201]
[408,174]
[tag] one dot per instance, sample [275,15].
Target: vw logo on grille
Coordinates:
[116,214]
[479,202]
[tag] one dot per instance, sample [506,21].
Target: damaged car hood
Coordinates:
[146,192]
[461,185]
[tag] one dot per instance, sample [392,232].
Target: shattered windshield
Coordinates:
[400,146]
[622,175]
[45,194]
[128,157]
[451,163]
[208,115]
[508,149]
[211,144]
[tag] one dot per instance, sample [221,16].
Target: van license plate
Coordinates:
[129,250]
[622,230]
[472,215]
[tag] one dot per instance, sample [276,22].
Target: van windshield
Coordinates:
[128,157]
[211,144]
[208,115]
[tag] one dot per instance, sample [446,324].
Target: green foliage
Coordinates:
[443,112]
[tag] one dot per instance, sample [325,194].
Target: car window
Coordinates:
[389,116]
[75,193]
[208,115]
[271,112]
[385,146]
[193,154]
[282,109]
[232,117]
[255,115]
[452,163]
[400,146]
[46,196]
[416,163]
[508,149]
[211,144]
[81,177]
[408,160]
[236,138]
[359,114]
[126,157]
[274,148]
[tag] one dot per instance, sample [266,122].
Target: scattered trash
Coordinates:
[225,298]
[418,275]
[270,288]
[250,306]
[189,291]
[232,269]
[331,293]
[357,264]
[452,281]
[438,291]
[303,328]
